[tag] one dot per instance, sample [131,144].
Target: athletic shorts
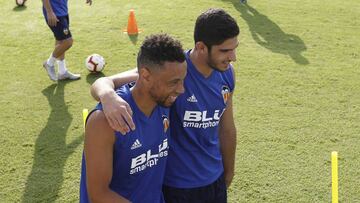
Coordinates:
[213,193]
[61,30]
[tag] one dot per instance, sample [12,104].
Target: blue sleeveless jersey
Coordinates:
[59,7]
[194,155]
[139,156]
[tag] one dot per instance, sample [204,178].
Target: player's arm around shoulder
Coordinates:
[104,86]
[117,110]
[227,133]
[98,147]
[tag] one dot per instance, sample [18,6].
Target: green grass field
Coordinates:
[297,96]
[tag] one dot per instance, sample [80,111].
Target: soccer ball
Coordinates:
[95,63]
[20,2]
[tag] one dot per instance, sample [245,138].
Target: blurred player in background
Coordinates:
[57,18]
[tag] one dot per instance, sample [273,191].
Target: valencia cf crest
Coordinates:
[66,31]
[166,123]
[225,91]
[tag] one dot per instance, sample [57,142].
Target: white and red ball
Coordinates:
[20,2]
[95,63]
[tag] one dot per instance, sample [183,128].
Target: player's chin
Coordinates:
[166,104]
[226,65]
[169,101]
[223,67]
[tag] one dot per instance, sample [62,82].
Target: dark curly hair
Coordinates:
[214,26]
[158,49]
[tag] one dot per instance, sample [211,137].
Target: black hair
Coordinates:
[214,26]
[158,49]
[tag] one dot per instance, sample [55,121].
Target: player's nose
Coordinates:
[232,56]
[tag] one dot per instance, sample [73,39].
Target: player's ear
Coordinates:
[201,47]
[145,73]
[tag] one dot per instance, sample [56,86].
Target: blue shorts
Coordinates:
[213,193]
[61,30]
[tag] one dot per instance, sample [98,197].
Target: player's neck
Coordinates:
[143,100]
[200,63]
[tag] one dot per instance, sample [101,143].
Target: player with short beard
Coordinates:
[131,168]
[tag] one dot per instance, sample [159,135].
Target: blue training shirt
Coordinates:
[194,155]
[60,7]
[139,156]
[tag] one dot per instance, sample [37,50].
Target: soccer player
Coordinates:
[57,18]
[201,158]
[131,168]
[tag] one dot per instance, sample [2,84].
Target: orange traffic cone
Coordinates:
[132,28]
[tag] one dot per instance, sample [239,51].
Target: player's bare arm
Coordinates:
[117,111]
[51,17]
[227,133]
[98,147]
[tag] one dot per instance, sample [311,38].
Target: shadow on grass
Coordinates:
[91,77]
[269,35]
[133,38]
[51,150]
[19,8]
